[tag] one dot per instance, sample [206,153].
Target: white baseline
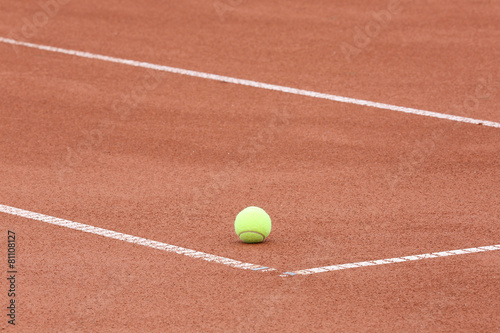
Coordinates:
[392,260]
[222,260]
[131,239]
[251,83]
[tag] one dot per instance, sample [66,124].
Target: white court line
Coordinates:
[392,260]
[132,239]
[252,83]
[222,260]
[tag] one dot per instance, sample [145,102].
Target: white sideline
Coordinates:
[252,83]
[222,260]
[131,239]
[392,260]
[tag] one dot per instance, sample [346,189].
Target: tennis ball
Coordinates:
[252,225]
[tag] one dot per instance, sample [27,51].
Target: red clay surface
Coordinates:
[174,158]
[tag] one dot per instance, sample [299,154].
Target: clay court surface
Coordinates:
[172,158]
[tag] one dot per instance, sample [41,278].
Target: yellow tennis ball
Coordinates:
[252,225]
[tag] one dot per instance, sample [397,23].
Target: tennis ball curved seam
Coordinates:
[253,220]
[253,232]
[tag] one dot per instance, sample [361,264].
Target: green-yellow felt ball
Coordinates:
[252,225]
